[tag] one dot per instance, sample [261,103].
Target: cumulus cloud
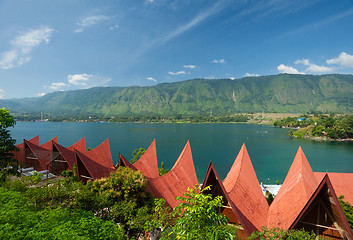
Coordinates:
[288,69]
[251,75]
[189,66]
[79,79]
[151,79]
[57,85]
[218,61]
[232,78]
[2,93]
[89,21]
[41,94]
[23,45]
[313,68]
[343,60]
[178,73]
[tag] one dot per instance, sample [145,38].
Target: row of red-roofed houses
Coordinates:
[306,199]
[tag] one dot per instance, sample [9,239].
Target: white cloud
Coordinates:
[151,79]
[343,60]
[189,66]
[2,93]
[313,68]
[89,21]
[251,75]
[218,61]
[288,69]
[116,26]
[79,79]
[178,73]
[232,78]
[57,85]
[41,94]
[23,45]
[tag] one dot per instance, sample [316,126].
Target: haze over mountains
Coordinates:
[286,93]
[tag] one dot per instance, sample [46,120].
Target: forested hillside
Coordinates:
[279,93]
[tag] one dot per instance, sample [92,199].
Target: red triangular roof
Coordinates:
[323,197]
[147,163]
[176,182]
[244,190]
[231,210]
[95,169]
[20,155]
[43,155]
[122,162]
[68,155]
[341,182]
[102,155]
[79,145]
[49,145]
[295,192]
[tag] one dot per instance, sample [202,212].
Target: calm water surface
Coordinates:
[270,149]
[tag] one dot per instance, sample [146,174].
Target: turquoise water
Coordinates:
[270,149]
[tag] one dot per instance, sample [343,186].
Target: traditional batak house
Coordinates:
[305,202]
[175,182]
[94,164]
[244,203]
[20,154]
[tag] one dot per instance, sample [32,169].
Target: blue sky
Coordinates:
[48,46]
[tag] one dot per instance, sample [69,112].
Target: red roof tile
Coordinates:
[43,155]
[147,163]
[68,155]
[20,155]
[48,145]
[295,192]
[102,155]
[122,162]
[342,183]
[176,182]
[244,190]
[79,145]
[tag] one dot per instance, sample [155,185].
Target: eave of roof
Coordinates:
[79,145]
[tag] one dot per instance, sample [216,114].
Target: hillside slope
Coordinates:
[278,93]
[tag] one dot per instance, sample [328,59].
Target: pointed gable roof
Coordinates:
[176,182]
[102,155]
[297,188]
[341,182]
[79,145]
[147,163]
[34,140]
[122,162]
[334,224]
[67,154]
[229,209]
[43,155]
[49,145]
[20,155]
[244,190]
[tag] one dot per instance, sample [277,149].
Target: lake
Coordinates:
[271,149]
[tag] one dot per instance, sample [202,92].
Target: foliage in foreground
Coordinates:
[347,209]
[22,219]
[276,234]
[7,145]
[196,217]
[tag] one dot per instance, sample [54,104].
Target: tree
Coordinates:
[137,153]
[198,218]
[8,164]
[347,209]
[276,233]
[162,170]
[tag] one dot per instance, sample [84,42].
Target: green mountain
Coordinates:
[279,93]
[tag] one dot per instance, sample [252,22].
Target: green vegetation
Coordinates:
[136,154]
[8,164]
[286,93]
[347,209]
[321,126]
[276,233]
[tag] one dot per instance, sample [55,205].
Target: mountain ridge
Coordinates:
[284,93]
